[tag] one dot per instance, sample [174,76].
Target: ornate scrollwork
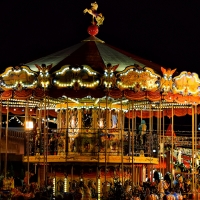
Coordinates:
[166,82]
[187,83]
[44,77]
[18,78]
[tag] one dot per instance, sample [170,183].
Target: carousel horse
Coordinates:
[93,11]
[78,194]
[127,189]
[73,186]
[86,192]
[142,132]
[106,189]
[92,188]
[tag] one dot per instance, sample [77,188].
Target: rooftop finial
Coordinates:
[98,17]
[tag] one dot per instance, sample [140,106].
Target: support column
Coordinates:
[94,119]
[172,149]
[6,154]
[58,119]
[80,120]
[72,173]
[193,151]
[0,132]
[132,144]
[149,172]
[144,170]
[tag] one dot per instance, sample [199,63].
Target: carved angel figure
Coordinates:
[166,81]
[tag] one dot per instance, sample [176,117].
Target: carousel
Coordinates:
[94,120]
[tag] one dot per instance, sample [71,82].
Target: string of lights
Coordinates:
[16,118]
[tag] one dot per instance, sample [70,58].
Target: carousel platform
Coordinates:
[90,159]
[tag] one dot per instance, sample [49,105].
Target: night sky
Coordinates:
[164,32]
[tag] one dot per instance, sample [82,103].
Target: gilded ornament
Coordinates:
[166,82]
[98,17]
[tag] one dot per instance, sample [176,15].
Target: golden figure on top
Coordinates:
[95,15]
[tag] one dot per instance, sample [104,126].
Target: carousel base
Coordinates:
[74,157]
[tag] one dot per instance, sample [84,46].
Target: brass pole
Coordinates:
[163,140]
[45,139]
[196,151]
[98,173]
[67,126]
[0,132]
[129,131]
[133,133]
[6,154]
[122,143]
[27,143]
[193,153]
[160,133]
[150,138]
[172,149]
[72,174]
[106,137]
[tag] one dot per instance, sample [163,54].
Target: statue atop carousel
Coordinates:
[97,18]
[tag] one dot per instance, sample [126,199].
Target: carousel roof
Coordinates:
[95,70]
[93,52]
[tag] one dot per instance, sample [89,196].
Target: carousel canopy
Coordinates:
[93,71]
[93,52]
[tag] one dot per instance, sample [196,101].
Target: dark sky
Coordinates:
[165,32]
